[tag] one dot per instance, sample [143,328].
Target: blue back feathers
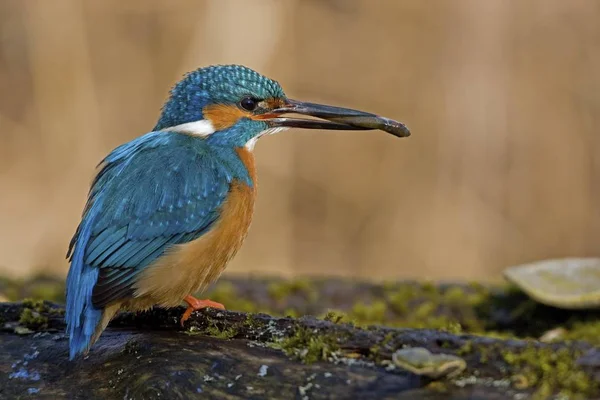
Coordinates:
[82,318]
[161,189]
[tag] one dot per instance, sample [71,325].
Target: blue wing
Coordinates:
[156,191]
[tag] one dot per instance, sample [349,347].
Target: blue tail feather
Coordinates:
[81,316]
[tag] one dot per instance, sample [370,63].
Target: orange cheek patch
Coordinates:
[224,116]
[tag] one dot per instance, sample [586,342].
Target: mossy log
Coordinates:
[228,354]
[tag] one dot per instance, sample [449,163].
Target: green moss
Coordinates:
[369,314]
[543,369]
[251,322]
[478,287]
[405,296]
[401,297]
[428,314]
[550,371]
[308,345]
[32,319]
[583,330]
[426,305]
[430,287]
[466,348]
[35,304]
[218,333]
[484,353]
[337,317]
[214,329]
[455,295]
[425,310]
[281,290]
[32,315]
[376,350]
[439,322]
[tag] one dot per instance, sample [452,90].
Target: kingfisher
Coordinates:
[168,210]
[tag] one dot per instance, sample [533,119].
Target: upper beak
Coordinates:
[332,118]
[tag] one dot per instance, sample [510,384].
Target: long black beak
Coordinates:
[336,118]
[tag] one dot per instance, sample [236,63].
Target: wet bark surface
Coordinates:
[236,355]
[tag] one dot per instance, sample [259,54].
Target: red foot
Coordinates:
[196,304]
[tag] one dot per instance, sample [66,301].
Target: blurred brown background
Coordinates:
[503,98]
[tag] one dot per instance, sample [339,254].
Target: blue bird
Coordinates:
[169,209]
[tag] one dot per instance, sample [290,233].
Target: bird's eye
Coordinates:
[249,103]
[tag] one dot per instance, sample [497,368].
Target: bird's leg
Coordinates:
[196,304]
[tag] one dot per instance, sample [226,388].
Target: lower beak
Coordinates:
[335,118]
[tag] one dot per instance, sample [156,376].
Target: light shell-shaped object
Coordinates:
[421,361]
[571,283]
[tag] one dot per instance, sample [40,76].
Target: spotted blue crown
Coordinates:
[220,84]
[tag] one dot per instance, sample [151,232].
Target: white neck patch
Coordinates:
[204,128]
[201,128]
[252,142]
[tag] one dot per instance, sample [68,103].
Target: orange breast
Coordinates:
[190,267]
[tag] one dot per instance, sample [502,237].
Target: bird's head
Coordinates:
[234,105]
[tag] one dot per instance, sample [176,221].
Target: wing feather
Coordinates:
[157,191]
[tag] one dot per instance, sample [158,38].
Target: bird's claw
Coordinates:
[195,304]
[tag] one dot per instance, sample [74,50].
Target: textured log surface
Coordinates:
[236,355]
